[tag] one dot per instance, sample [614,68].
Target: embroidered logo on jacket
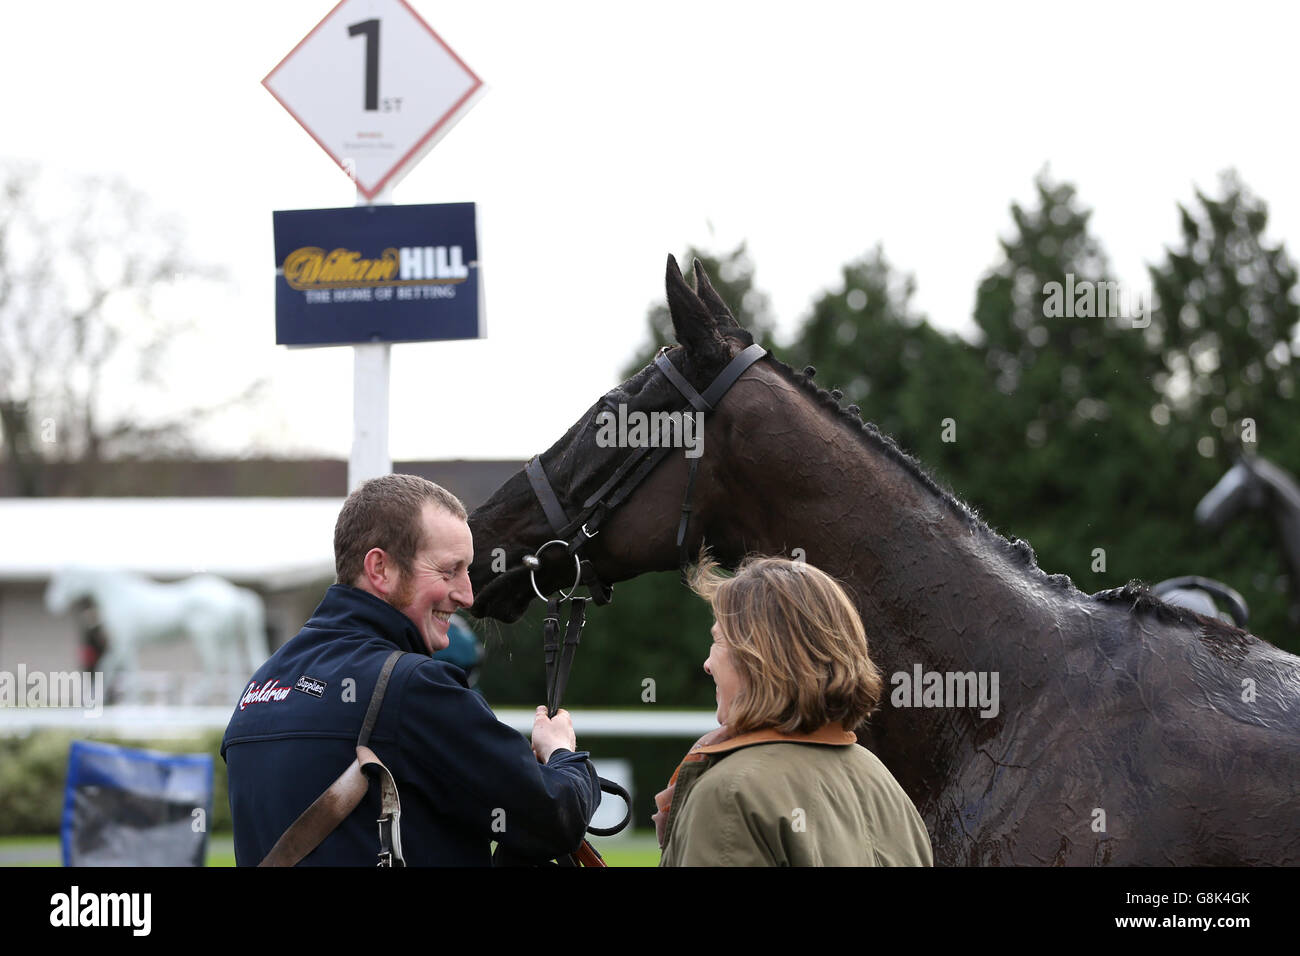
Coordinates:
[268,691]
[311,685]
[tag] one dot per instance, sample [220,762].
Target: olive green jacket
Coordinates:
[773,799]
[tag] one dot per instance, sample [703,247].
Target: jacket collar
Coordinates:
[833,735]
[352,609]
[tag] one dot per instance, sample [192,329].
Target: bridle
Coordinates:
[574,532]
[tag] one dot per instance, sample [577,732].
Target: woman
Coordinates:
[782,782]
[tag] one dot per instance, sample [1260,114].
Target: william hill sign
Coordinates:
[377,274]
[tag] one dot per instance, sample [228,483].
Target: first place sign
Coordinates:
[375,87]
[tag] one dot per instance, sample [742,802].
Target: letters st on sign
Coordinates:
[377,274]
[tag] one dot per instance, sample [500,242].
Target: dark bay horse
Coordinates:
[1125,731]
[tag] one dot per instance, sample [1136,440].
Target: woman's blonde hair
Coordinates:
[796,641]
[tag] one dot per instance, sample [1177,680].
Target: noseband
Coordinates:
[577,531]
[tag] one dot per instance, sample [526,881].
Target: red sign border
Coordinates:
[456,107]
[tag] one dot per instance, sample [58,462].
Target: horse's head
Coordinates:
[67,586]
[640,533]
[1240,487]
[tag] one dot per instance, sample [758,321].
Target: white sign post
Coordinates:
[376,88]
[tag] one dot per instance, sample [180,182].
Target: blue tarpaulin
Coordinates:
[125,807]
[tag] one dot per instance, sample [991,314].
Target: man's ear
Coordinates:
[377,573]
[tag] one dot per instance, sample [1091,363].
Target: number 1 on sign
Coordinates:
[371,30]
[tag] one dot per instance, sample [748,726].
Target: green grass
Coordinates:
[639,849]
[29,851]
[636,849]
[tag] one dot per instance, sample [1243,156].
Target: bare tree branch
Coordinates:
[80,263]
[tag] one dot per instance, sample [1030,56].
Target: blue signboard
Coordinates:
[377,274]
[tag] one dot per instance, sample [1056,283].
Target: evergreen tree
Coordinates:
[1226,324]
[1071,461]
[907,378]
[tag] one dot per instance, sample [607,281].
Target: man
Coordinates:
[402,553]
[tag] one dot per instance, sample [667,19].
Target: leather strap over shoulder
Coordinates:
[320,819]
[377,698]
[346,793]
[390,816]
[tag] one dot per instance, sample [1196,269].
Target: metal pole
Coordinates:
[370,367]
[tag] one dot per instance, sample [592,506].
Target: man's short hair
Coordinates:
[385,513]
[796,642]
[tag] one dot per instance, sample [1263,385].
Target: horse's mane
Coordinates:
[1135,594]
[1140,600]
[1019,552]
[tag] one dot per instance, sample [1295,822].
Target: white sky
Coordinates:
[614,133]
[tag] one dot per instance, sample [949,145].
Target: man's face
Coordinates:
[438,583]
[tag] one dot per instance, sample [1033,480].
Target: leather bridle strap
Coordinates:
[683,558]
[542,489]
[572,635]
[559,656]
[551,647]
[703,403]
[559,662]
[647,458]
[683,386]
[616,479]
[627,477]
[735,368]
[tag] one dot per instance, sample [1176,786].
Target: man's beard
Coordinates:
[404,594]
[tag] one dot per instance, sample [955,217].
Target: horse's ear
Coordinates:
[695,326]
[674,275]
[712,301]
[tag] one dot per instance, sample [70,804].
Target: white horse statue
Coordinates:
[225,622]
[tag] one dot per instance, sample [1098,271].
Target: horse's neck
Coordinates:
[106,584]
[1285,494]
[934,587]
[96,585]
[120,593]
[1288,528]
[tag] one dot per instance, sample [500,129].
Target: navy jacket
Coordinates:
[464,778]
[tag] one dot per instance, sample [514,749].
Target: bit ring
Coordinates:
[537,563]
